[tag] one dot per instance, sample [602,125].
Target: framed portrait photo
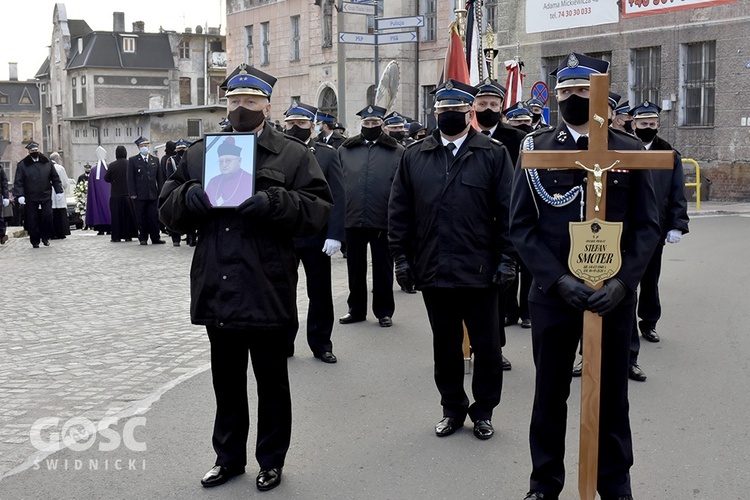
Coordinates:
[229,168]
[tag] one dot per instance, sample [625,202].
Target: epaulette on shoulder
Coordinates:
[541,131]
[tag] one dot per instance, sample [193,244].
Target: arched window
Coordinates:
[328,102]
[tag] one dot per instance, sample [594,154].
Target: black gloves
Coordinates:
[404,276]
[257,206]
[505,273]
[604,300]
[196,200]
[574,291]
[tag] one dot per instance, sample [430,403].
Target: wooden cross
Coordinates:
[598,153]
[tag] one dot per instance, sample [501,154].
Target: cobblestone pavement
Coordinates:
[93,329]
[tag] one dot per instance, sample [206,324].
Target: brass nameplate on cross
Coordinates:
[595,250]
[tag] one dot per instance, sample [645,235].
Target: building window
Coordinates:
[5,165]
[294,27]
[129,131]
[128,44]
[78,133]
[214,91]
[428,101]
[117,132]
[94,132]
[194,127]
[185,90]
[47,137]
[491,10]
[429,11]
[85,132]
[327,34]
[105,132]
[371,19]
[249,48]
[646,74]
[372,91]
[26,97]
[27,132]
[5,131]
[183,49]
[328,102]
[73,82]
[265,40]
[699,83]
[3,98]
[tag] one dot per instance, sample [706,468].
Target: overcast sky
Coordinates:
[26,26]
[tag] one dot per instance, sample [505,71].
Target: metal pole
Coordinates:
[341,66]
[377,54]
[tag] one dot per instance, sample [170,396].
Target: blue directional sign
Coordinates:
[401,22]
[358,38]
[400,37]
[358,8]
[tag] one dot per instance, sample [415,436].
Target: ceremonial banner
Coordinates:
[549,15]
[632,8]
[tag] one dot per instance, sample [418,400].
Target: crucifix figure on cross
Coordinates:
[584,221]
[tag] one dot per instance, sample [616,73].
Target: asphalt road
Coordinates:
[363,428]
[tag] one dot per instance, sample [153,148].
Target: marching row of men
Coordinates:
[455,218]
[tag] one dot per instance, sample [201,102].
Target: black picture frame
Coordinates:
[229,168]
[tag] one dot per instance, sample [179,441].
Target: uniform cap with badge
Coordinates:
[453,93]
[247,80]
[576,70]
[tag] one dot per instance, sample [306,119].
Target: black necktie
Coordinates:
[582,142]
[486,132]
[450,147]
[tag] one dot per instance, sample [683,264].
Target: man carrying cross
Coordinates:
[544,202]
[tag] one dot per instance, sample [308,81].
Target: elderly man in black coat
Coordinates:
[448,234]
[243,280]
[36,177]
[369,160]
[543,204]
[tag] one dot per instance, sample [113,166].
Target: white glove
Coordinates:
[674,236]
[22,200]
[59,197]
[6,202]
[330,247]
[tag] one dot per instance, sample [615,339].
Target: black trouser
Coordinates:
[555,331]
[123,219]
[39,220]
[447,310]
[518,307]
[147,215]
[320,308]
[382,272]
[229,356]
[649,304]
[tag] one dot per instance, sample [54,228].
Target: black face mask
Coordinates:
[646,134]
[536,118]
[371,133]
[245,120]
[34,155]
[526,128]
[575,110]
[452,122]
[303,134]
[397,135]
[488,118]
[628,127]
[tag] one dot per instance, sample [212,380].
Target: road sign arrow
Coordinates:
[400,37]
[401,22]
[358,8]
[358,38]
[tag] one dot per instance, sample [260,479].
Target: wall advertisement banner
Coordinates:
[549,15]
[633,8]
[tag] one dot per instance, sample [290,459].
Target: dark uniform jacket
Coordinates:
[4,185]
[328,160]
[511,138]
[145,178]
[36,179]
[539,230]
[368,175]
[117,175]
[451,220]
[335,141]
[244,272]
[669,186]
[169,165]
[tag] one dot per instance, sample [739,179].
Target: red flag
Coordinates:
[455,59]
[514,83]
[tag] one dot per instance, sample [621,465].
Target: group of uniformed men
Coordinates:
[455,213]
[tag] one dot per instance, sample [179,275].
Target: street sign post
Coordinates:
[401,22]
[358,8]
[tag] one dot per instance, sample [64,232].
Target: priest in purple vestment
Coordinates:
[98,214]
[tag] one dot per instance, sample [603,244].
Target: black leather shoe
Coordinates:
[220,475]
[158,242]
[144,242]
[385,321]
[268,479]
[348,319]
[636,373]
[447,426]
[526,323]
[506,364]
[510,321]
[35,246]
[46,244]
[650,335]
[535,495]
[326,357]
[483,429]
[578,369]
